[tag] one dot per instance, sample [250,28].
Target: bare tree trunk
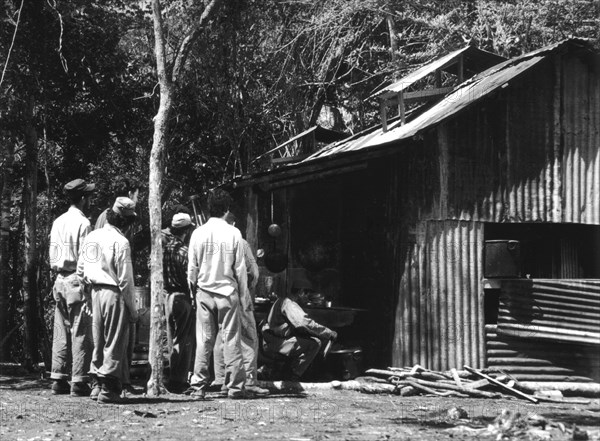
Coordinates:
[167,84]
[30,291]
[9,159]
[157,154]
[393,36]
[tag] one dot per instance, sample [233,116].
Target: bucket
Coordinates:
[345,364]
[142,297]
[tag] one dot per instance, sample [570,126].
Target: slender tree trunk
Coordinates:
[5,206]
[167,81]
[393,36]
[157,154]
[30,291]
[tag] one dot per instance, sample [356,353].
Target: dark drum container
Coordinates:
[346,364]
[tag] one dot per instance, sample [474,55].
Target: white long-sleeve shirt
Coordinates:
[105,259]
[216,261]
[66,237]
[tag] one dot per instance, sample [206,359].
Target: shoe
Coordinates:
[95,392]
[60,387]
[216,387]
[241,395]
[257,391]
[127,391]
[199,394]
[110,397]
[80,389]
[176,387]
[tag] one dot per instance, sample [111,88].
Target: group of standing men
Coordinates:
[95,299]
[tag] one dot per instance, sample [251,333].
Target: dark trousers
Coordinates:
[181,332]
[301,351]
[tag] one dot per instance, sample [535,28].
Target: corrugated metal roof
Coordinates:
[475,61]
[465,94]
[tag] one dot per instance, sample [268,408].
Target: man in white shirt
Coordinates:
[72,318]
[249,335]
[105,265]
[216,271]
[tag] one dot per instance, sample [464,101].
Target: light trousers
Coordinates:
[212,311]
[72,342]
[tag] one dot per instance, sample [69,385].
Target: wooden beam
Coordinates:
[421,95]
[287,159]
[312,176]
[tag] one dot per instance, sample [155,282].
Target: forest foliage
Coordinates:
[78,92]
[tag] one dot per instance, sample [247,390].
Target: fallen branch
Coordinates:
[452,387]
[502,385]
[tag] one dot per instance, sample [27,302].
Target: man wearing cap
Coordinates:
[105,265]
[290,332]
[72,319]
[178,305]
[125,186]
[216,271]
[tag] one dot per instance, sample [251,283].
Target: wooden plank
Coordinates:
[501,385]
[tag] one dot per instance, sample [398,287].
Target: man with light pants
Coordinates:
[105,265]
[249,335]
[72,340]
[216,271]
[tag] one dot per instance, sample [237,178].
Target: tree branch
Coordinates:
[186,44]
[12,43]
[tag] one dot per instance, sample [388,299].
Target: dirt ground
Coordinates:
[28,411]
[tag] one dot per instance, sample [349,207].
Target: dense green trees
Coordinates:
[79,92]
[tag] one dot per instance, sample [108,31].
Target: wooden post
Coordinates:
[401,109]
[461,69]
[383,114]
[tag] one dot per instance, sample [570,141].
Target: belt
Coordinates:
[104,286]
[65,273]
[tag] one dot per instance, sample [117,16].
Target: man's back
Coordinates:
[216,258]
[66,237]
[175,261]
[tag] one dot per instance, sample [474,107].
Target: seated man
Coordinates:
[289,331]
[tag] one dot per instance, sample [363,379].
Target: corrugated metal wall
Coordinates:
[535,360]
[439,319]
[581,137]
[530,153]
[551,309]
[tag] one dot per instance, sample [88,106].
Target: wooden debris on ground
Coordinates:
[470,382]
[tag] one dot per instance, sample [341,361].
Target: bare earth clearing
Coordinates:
[28,411]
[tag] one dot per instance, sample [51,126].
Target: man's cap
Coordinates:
[124,206]
[181,220]
[78,186]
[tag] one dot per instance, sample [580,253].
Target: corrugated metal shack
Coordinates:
[395,220]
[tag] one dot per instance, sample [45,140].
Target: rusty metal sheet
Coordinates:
[538,360]
[551,309]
